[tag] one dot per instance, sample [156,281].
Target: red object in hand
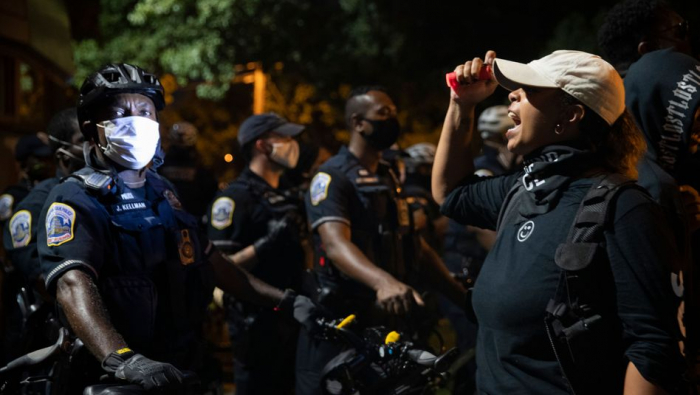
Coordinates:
[485,74]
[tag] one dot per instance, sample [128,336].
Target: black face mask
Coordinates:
[384,133]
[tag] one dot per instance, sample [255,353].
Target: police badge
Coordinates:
[60,220]
[6,201]
[21,228]
[222,212]
[319,187]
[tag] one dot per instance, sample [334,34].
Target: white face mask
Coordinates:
[285,154]
[131,141]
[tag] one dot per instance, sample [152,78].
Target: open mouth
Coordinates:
[517,122]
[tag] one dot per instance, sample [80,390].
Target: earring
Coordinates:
[558,129]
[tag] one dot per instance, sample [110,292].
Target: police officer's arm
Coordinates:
[81,302]
[392,295]
[453,158]
[245,258]
[243,285]
[438,275]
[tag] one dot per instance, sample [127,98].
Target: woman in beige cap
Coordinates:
[562,309]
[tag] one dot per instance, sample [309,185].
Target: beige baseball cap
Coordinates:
[588,78]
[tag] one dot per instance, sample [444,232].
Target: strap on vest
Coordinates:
[95,181]
[567,316]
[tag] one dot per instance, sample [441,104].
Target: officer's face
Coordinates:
[126,105]
[379,106]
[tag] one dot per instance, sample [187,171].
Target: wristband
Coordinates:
[116,358]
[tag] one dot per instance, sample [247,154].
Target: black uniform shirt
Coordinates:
[519,277]
[370,204]
[143,252]
[241,214]
[20,234]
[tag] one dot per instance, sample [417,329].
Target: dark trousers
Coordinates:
[312,357]
[264,356]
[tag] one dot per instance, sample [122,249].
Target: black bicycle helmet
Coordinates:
[117,78]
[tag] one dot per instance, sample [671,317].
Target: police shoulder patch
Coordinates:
[60,220]
[319,187]
[6,201]
[21,228]
[222,212]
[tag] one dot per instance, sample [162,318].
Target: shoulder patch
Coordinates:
[21,228]
[6,201]
[60,220]
[172,199]
[222,212]
[319,187]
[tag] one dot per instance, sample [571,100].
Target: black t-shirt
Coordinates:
[241,214]
[519,277]
[20,235]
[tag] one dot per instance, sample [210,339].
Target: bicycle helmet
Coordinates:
[494,122]
[422,153]
[116,78]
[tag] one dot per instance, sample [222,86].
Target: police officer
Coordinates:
[20,233]
[196,186]
[130,271]
[34,158]
[495,159]
[426,213]
[19,241]
[261,228]
[365,247]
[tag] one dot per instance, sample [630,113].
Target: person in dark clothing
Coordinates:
[195,185]
[261,229]
[20,234]
[662,95]
[633,28]
[572,129]
[366,252]
[130,269]
[24,333]
[426,213]
[36,165]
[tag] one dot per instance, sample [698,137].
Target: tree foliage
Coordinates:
[202,40]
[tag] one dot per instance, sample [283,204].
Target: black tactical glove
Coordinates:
[306,312]
[137,369]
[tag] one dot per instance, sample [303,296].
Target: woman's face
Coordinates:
[535,112]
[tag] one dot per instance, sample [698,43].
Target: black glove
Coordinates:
[306,312]
[137,369]
[278,230]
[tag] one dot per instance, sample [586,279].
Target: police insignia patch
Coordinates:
[319,187]
[6,202]
[222,212]
[59,224]
[21,228]
[172,200]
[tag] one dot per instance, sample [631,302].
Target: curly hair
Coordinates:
[624,27]
[619,146]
